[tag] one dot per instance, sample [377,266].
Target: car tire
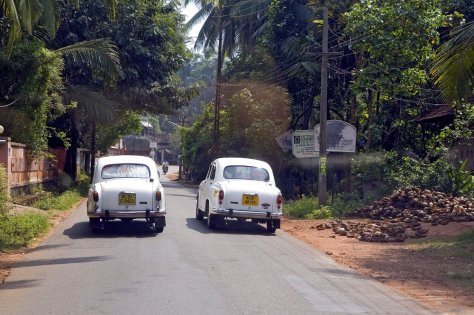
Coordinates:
[199,214]
[94,224]
[211,222]
[270,226]
[159,229]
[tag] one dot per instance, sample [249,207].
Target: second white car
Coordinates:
[239,188]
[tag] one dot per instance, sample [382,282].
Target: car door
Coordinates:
[204,189]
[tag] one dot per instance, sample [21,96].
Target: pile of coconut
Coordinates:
[399,216]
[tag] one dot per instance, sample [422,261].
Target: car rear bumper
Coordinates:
[127,214]
[231,213]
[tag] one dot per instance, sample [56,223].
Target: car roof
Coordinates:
[223,162]
[125,159]
[116,159]
[119,159]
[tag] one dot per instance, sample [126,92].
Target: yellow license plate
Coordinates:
[250,200]
[127,199]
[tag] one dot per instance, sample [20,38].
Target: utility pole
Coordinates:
[217,101]
[180,158]
[323,111]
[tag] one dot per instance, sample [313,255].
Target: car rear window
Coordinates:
[246,172]
[125,170]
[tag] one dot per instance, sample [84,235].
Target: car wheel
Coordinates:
[211,222]
[199,214]
[94,224]
[159,229]
[270,227]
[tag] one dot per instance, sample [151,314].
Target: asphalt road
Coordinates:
[127,269]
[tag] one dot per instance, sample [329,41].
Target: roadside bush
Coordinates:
[83,182]
[19,230]
[3,191]
[344,203]
[62,201]
[379,174]
[306,208]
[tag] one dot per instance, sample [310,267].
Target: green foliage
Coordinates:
[382,172]
[3,191]
[306,208]
[251,120]
[391,67]
[345,203]
[38,92]
[460,129]
[388,28]
[151,40]
[19,230]
[109,133]
[463,181]
[63,201]
[467,237]
[254,117]
[83,182]
[196,143]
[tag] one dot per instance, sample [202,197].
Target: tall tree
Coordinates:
[454,65]
[218,29]
[393,40]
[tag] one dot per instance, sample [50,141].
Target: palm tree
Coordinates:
[229,26]
[453,68]
[39,18]
[39,15]
[218,28]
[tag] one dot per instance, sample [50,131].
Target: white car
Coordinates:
[126,187]
[239,188]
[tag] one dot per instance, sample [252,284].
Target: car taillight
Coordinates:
[221,196]
[95,196]
[158,195]
[279,201]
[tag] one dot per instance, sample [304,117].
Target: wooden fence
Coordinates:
[23,171]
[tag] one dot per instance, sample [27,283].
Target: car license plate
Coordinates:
[127,199]
[250,200]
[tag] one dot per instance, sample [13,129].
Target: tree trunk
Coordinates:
[370,114]
[93,147]
[70,167]
[308,107]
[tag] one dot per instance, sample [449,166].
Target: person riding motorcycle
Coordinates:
[165,167]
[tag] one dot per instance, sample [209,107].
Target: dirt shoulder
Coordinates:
[427,269]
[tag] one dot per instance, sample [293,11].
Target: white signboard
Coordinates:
[285,140]
[303,144]
[341,136]
[153,145]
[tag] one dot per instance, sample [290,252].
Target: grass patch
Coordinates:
[19,230]
[458,251]
[306,208]
[61,202]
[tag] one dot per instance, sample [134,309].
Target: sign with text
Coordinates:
[303,144]
[285,140]
[341,136]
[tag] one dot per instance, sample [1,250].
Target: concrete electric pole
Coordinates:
[323,111]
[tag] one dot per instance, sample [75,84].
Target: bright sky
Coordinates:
[189,11]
